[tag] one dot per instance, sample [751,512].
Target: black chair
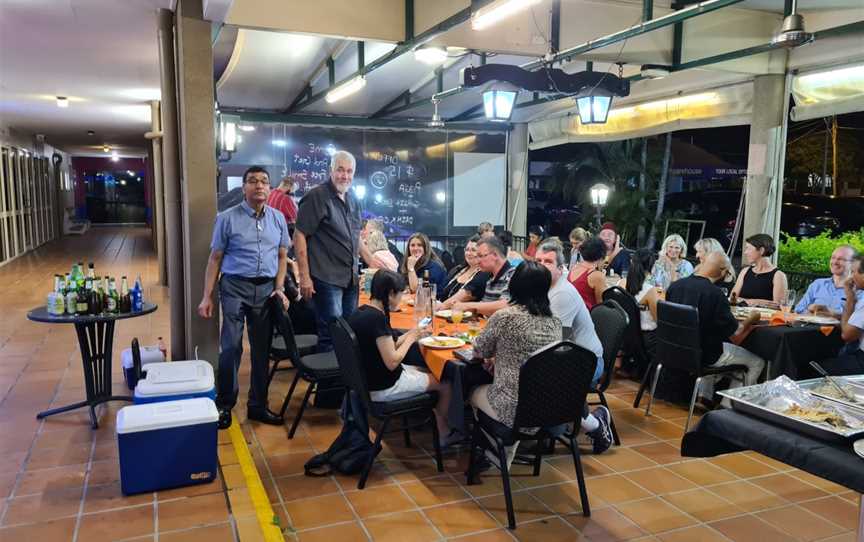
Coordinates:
[610,323]
[354,378]
[313,368]
[279,350]
[634,341]
[136,359]
[553,384]
[445,258]
[679,346]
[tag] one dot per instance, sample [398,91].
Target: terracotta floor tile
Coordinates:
[116,524]
[525,506]
[287,464]
[704,505]
[498,535]
[749,497]
[835,509]
[590,466]
[192,511]
[460,518]
[58,530]
[631,435]
[614,489]
[346,532]
[490,483]
[435,491]
[546,530]
[402,527]
[107,497]
[702,533]
[564,499]
[702,473]
[821,483]
[800,524]
[318,511]
[194,490]
[661,429]
[213,533]
[654,515]
[59,457]
[605,525]
[406,470]
[660,480]
[11,461]
[301,487]
[7,482]
[233,476]
[789,487]
[524,474]
[742,466]
[660,452]
[749,529]
[43,506]
[624,459]
[241,503]
[379,500]
[37,481]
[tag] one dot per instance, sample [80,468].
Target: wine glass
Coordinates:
[787,303]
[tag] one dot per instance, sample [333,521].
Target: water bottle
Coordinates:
[137,296]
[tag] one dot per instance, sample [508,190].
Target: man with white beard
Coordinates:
[327,243]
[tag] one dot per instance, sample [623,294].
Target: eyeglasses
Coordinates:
[258,181]
[483,255]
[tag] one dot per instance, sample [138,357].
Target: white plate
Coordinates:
[447,313]
[858,446]
[432,342]
[821,320]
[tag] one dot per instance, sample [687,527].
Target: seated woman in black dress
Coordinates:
[419,259]
[382,355]
[468,278]
[760,283]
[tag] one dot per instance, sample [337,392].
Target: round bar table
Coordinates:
[96,340]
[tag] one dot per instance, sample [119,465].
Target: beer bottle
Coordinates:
[125,300]
[95,296]
[71,296]
[84,297]
[112,300]
[55,302]
[79,277]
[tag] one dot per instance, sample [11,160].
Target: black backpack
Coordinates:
[351,450]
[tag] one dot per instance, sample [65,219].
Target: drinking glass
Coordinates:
[473,329]
[787,303]
[456,317]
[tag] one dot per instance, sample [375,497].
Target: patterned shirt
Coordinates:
[511,336]
[498,286]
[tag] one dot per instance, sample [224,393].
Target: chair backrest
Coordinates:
[553,384]
[282,324]
[136,358]
[678,338]
[634,344]
[348,356]
[610,323]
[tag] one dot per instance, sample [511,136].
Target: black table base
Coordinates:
[96,341]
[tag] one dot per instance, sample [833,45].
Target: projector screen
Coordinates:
[479,188]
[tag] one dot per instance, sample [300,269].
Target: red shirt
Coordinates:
[283,203]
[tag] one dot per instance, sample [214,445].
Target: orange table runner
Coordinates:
[435,358]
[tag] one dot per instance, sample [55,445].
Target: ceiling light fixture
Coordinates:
[114,156]
[346,89]
[106,148]
[594,105]
[91,133]
[792,32]
[498,104]
[436,121]
[498,11]
[62,102]
[431,55]
[246,128]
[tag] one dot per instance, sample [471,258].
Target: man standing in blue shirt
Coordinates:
[827,296]
[250,248]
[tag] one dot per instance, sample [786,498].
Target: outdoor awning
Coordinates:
[725,106]
[828,92]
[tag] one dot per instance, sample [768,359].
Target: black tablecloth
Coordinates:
[726,431]
[790,349]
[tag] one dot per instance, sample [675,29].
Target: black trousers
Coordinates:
[244,301]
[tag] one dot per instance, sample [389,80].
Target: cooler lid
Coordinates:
[176,377]
[165,415]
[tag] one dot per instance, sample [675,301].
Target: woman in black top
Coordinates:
[761,283]
[468,277]
[382,355]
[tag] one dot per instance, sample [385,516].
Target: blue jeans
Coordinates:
[329,303]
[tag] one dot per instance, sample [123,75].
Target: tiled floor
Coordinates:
[60,479]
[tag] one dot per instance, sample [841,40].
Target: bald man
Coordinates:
[828,296]
[720,333]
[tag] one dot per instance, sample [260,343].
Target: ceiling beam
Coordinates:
[318,72]
[455,20]
[436,75]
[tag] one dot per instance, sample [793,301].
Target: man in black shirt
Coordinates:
[719,331]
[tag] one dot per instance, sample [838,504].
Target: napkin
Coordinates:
[777,319]
[826,330]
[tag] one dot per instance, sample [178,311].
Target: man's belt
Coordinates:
[257,281]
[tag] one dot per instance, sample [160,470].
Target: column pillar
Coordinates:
[171,184]
[196,99]
[766,156]
[517,180]
[155,137]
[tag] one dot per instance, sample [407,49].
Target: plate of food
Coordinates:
[441,341]
[448,314]
[817,319]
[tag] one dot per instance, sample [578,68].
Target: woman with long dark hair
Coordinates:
[587,275]
[419,259]
[468,277]
[382,355]
[640,284]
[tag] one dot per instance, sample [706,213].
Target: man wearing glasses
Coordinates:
[827,297]
[250,248]
[492,258]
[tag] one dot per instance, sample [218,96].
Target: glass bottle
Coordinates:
[112,300]
[125,301]
[84,297]
[71,296]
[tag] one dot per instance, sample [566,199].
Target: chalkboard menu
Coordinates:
[401,178]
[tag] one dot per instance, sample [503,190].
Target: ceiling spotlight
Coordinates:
[91,133]
[246,128]
[346,89]
[430,55]
[498,11]
[106,148]
[114,156]
[654,71]
[436,121]
[62,102]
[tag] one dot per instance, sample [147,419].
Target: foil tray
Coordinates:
[755,401]
[855,384]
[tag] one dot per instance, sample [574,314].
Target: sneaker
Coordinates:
[601,438]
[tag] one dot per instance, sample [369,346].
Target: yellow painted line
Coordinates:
[263,510]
